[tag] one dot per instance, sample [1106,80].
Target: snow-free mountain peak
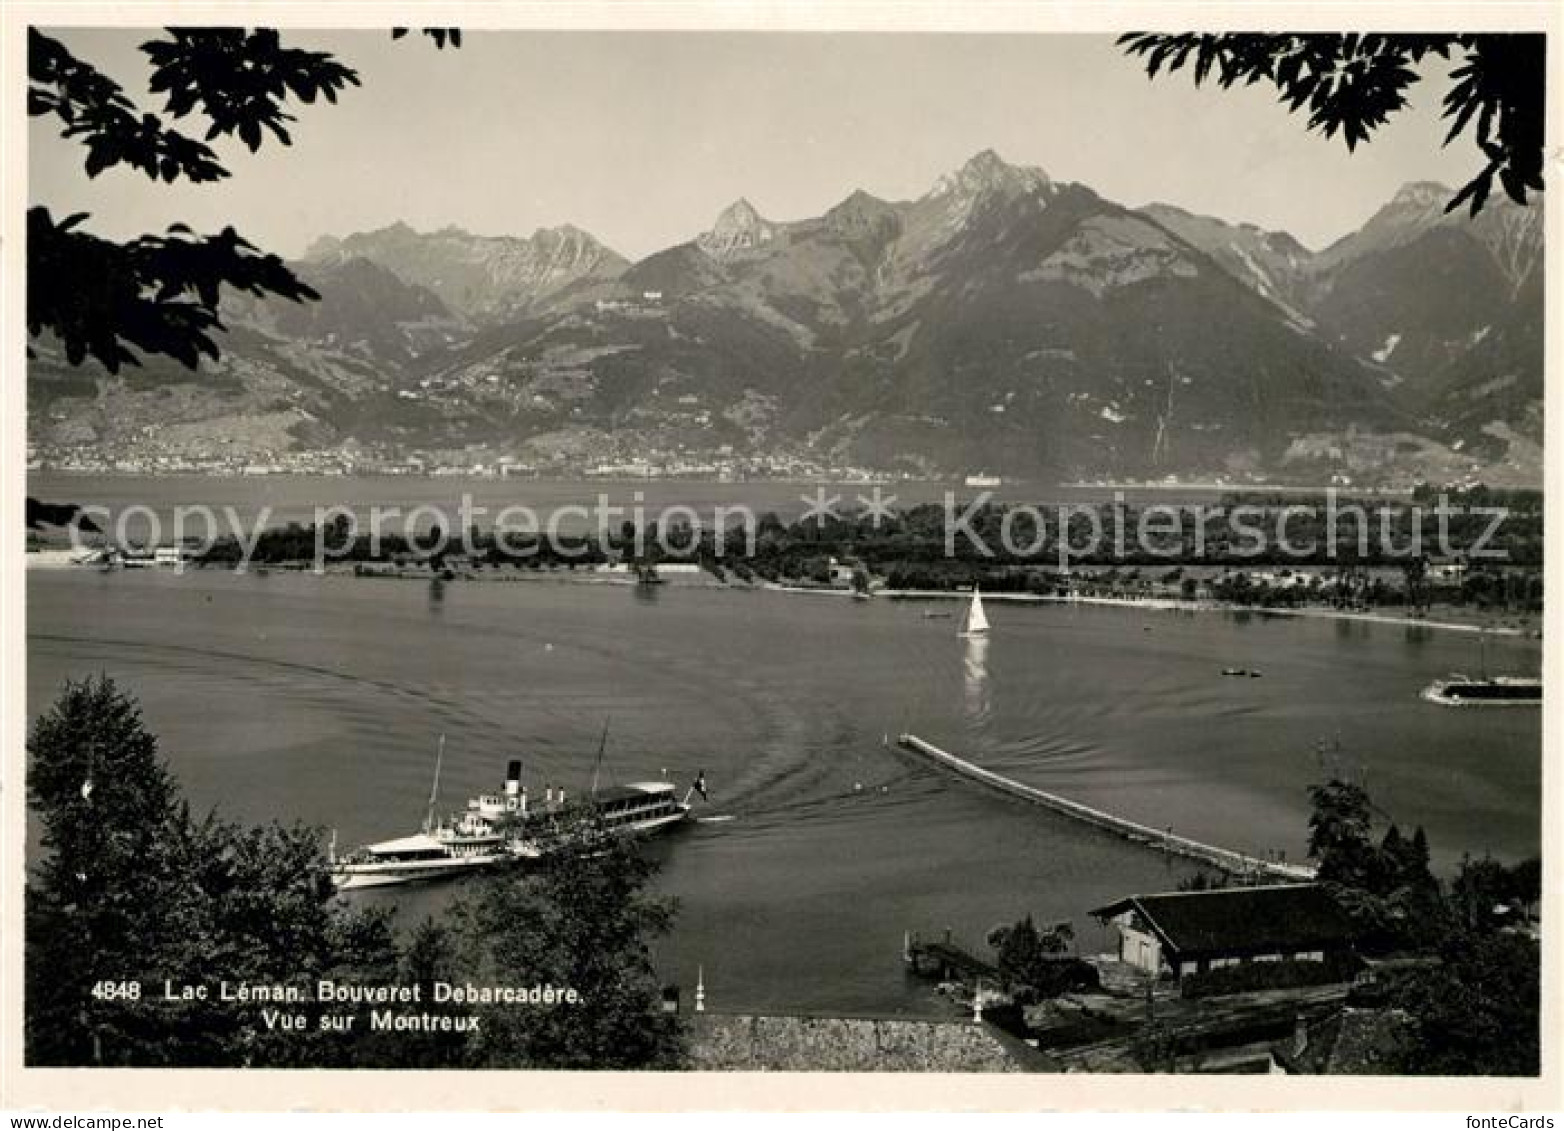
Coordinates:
[864,215]
[485,276]
[987,172]
[1422,193]
[739,227]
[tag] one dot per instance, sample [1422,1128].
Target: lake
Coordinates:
[322,699]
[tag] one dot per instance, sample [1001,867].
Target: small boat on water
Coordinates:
[507,826]
[975,623]
[1492,691]
[1251,673]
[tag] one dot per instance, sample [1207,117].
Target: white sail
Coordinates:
[975,623]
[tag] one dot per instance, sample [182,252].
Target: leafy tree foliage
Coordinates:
[1485,891]
[1035,964]
[132,888]
[159,294]
[1477,1012]
[1352,83]
[240,79]
[155,294]
[579,919]
[107,807]
[440,35]
[1475,995]
[1387,888]
[431,954]
[1339,829]
[1476,1003]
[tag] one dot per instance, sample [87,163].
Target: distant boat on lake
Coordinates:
[975,623]
[1493,691]
[1460,690]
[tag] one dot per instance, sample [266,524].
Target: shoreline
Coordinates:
[704,580]
[1177,605]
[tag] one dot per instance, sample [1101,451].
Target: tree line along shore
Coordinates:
[1471,570]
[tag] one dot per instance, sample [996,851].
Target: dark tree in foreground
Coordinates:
[1035,964]
[1473,992]
[430,955]
[108,810]
[159,294]
[1339,827]
[1385,887]
[1352,83]
[131,890]
[1477,1012]
[580,919]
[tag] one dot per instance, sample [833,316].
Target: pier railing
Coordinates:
[1229,861]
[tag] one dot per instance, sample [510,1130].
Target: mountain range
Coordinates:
[1002,321]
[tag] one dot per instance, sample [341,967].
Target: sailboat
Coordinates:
[975,623]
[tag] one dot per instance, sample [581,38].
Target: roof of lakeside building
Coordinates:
[1247,920]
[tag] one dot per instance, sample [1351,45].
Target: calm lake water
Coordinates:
[321,699]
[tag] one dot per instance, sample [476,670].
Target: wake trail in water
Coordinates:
[443,705]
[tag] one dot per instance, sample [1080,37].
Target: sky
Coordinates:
[642,138]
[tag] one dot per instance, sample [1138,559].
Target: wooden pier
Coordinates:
[945,960]
[1229,861]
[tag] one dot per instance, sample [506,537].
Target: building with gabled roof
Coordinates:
[1190,932]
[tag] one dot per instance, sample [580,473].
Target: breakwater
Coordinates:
[1229,861]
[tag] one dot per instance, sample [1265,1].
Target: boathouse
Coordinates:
[1190,932]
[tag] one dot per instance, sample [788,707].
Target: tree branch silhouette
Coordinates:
[97,113]
[159,294]
[1351,84]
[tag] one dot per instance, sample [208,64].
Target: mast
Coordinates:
[434,790]
[597,766]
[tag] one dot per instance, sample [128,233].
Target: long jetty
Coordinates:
[1229,861]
